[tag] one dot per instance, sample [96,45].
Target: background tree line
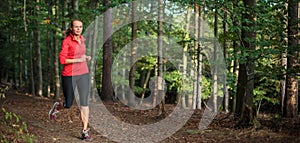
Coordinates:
[259,41]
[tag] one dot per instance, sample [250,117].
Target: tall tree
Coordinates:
[64,13]
[49,78]
[107,89]
[55,52]
[197,92]
[234,64]
[225,91]
[38,55]
[184,56]
[93,43]
[245,106]
[291,92]
[134,47]
[199,61]
[214,67]
[160,84]
[75,7]
[284,66]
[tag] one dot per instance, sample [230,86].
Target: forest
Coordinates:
[218,65]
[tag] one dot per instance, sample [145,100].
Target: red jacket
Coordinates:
[71,49]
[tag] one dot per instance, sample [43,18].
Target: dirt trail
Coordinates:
[66,128]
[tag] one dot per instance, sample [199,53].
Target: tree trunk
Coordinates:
[225,91]
[214,67]
[234,71]
[123,93]
[64,13]
[234,64]
[145,85]
[283,81]
[38,55]
[107,89]
[196,47]
[245,106]
[291,92]
[75,9]
[184,57]
[92,53]
[32,68]
[55,52]
[160,57]
[284,69]
[131,98]
[199,63]
[50,43]
[21,69]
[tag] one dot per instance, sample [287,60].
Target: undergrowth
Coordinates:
[13,129]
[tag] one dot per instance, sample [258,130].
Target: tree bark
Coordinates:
[50,44]
[184,57]
[160,57]
[196,56]
[145,85]
[92,53]
[107,89]
[245,106]
[214,67]
[225,91]
[234,63]
[199,62]
[283,81]
[131,98]
[38,55]
[55,52]
[32,68]
[64,13]
[291,92]
[75,9]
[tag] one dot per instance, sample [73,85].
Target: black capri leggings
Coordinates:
[69,84]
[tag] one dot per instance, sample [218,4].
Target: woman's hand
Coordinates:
[88,58]
[84,58]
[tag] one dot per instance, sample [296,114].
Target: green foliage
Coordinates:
[147,63]
[270,45]
[260,95]
[177,81]
[270,42]
[13,129]
[206,87]
[266,91]
[138,90]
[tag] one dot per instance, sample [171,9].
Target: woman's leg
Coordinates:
[83,90]
[84,114]
[68,90]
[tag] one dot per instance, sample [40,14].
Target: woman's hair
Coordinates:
[69,31]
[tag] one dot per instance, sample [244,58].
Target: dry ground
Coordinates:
[66,128]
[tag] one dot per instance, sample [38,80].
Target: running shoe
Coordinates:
[53,111]
[86,136]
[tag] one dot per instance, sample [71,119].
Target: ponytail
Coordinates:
[68,32]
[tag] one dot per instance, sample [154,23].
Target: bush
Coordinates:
[12,128]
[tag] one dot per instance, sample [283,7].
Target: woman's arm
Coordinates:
[77,60]
[83,58]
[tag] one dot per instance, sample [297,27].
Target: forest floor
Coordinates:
[66,127]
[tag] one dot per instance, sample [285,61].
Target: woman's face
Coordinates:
[77,28]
